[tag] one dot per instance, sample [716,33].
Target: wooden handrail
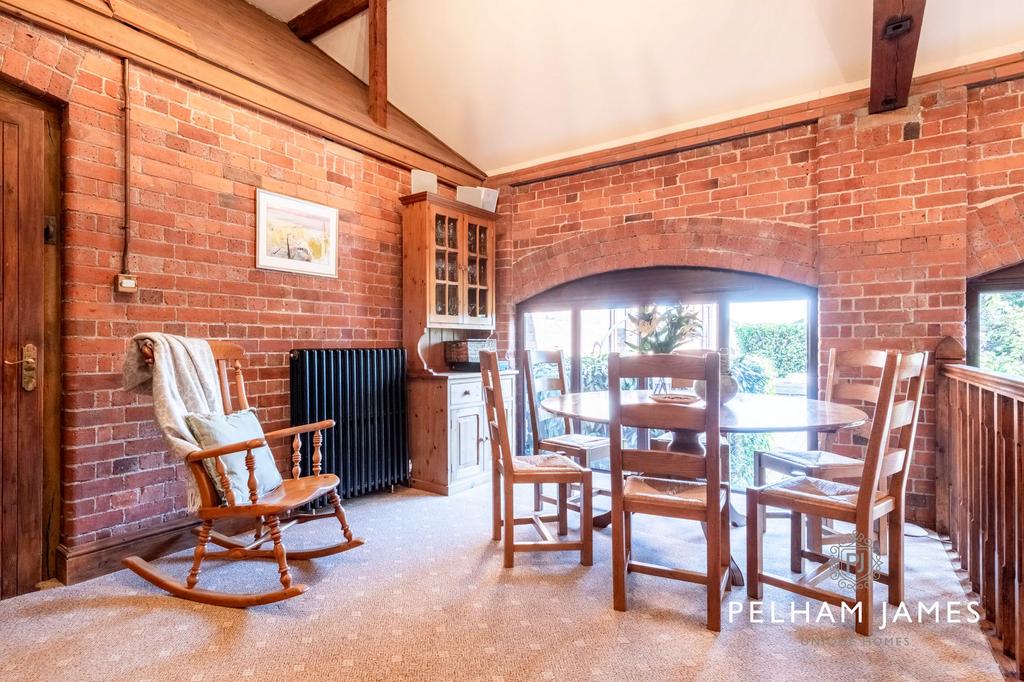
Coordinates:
[980,485]
[998,382]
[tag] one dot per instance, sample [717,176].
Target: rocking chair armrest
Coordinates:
[226,450]
[305,428]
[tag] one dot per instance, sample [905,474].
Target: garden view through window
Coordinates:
[768,342]
[1001,331]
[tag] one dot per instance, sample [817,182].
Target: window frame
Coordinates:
[661,285]
[1004,280]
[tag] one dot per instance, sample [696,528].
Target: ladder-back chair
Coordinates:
[507,470]
[845,383]
[873,500]
[583,448]
[692,486]
[267,511]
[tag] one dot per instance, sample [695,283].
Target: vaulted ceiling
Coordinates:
[510,84]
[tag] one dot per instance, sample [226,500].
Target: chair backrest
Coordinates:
[535,385]
[228,357]
[494,410]
[703,417]
[229,360]
[890,448]
[850,379]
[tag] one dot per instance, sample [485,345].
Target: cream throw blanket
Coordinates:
[182,380]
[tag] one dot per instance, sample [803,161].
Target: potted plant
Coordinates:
[663,330]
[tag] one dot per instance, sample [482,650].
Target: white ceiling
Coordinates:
[511,84]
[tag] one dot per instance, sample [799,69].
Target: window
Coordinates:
[769,326]
[995,321]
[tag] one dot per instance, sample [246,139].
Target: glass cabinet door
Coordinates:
[479,243]
[445,298]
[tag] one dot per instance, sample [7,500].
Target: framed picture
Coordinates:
[295,235]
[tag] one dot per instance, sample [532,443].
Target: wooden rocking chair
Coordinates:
[267,511]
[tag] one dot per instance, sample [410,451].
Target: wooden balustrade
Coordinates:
[980,440]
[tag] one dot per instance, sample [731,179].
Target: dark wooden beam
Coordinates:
[325,15]
[896,29]
[378,75]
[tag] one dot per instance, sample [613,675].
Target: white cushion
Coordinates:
[214,430]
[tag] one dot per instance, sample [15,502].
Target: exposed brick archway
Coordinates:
[995,235]
[771,248]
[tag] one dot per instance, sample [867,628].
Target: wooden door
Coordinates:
[469,456]
[447,265]
[23,149]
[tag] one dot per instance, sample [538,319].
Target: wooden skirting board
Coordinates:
[93,559]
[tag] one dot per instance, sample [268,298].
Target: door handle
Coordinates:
[28,364]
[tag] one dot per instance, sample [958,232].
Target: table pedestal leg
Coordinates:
[689,442]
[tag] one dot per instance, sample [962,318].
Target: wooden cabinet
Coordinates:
[447,295]
[448,274]
[448,435]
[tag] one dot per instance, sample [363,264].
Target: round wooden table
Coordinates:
[746,413]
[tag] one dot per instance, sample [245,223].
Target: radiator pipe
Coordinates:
[126,73]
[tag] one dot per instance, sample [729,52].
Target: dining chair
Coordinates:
[545,373]
[859,505]
[507,470]
[674,485]
[845,382]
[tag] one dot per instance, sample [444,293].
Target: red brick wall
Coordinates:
[196,164]
[995,176]
[891,226]
[884,213]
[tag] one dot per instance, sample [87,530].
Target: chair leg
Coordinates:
[197,560]
[510,525]
[815,533]
[279,552]
[796,542]
[714,551]
[725,559]
[865,578]
[883,537]
[259,529]
[538,490]
[587,520]
[495,505]
[755,538]
[759,481]
[627,524]
[339,512]
[893,523]
[563,509]
[618,555]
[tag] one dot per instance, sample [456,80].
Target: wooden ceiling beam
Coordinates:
[378,72]
[896,30]
[325,15]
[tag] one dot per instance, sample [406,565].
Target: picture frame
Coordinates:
[295,235]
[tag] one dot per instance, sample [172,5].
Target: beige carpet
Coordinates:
[426,598]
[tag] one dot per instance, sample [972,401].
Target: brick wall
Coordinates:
[886,214]
[197,161]
[995,176]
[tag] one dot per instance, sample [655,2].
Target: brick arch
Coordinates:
[783,250]
[995,235]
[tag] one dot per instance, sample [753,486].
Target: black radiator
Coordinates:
[363,391]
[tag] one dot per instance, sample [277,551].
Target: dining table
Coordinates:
[744,413]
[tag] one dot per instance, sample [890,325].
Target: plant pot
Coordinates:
[727,386]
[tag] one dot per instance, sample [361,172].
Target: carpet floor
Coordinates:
[427,599]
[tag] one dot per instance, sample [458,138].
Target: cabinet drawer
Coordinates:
[465,393]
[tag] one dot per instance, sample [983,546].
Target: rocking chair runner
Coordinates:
[267,510]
